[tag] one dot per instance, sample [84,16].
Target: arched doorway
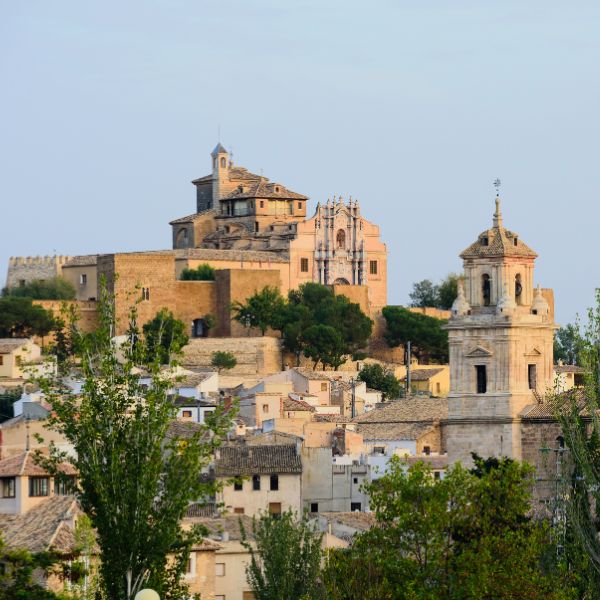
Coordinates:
[341,281]
[199,328]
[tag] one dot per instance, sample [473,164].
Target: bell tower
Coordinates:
[501,345]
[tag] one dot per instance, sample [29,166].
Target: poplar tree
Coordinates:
[136,473]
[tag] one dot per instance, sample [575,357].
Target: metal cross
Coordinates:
[497,184]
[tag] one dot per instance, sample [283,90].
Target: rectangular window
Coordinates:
[262,203]
[245,596]
[256,226]
[64,486]
[265,408]
[220,569]
[274,483]
[300,205]
[8,487]
[437,475]
[275,509]
[256,483]
[314,507]
[38,486]
[304,265]
[373,267]
[355,480]
[1,360]
[238,511]
[220,597]
[355,506]
[379,450]
[426,450]
[324,386]
[238,485]
[186,414]
[83,279]
[532,376]
[21,283]
[481,379]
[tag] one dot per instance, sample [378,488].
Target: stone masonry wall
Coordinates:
[255,355]
[31,268]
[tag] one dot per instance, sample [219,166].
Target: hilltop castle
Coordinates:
[254,233]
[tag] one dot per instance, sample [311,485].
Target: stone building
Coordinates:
[239,210]
[253,232]
[501,346]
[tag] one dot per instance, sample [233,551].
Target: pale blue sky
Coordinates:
[108,110]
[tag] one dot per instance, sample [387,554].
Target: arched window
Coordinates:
[223,162]
[486,289]
[340,240]
[518,289]
[182,238]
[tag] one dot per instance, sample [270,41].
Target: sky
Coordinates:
[109,109]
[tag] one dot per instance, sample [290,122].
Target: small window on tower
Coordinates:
[256,226]
[83,279]
[262,203]
[532,376]
[223,162]
[299,205]
[516,241]
[481,379]
[485,240]
[304,265]
[486,289]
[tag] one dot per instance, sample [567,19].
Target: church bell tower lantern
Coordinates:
[501,345]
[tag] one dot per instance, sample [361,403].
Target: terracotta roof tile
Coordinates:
[422,374]
[394,431]
[237,460]
[42,527]
[407,410]
[24,464]
[501,242]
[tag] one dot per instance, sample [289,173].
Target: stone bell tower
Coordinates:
[501,346]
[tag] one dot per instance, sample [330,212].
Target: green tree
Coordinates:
[285,564]
[568,344]
[379,378]
[56,288]
[305,319]
[19,317]
[260,309]
[165,336]
[447,291]
[323,343]
[223,360]
[7,399]
[466,536]
[136,475]
[429,341]
[578,414]
[203,272]
[19,572]
[424,293]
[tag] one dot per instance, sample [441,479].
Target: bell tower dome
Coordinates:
[501,346]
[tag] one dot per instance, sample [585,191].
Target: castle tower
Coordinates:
[220,165]
[501,346]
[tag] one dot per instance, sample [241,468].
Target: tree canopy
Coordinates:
[568,345]
[19,317]
[223,360]
[379,378]
[425,293]
[260,309]
[56,288]
[286,562]
[429,341]
[203,272]
[165,336]
[136,474]
[466,536]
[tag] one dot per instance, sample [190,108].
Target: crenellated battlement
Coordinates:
[23,269]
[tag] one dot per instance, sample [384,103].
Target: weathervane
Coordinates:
[497,184]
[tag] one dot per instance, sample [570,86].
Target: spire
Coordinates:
[460,306]
[498,213]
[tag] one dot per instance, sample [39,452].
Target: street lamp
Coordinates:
[147,594]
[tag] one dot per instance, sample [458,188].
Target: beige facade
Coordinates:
[15,355]
[501,346]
